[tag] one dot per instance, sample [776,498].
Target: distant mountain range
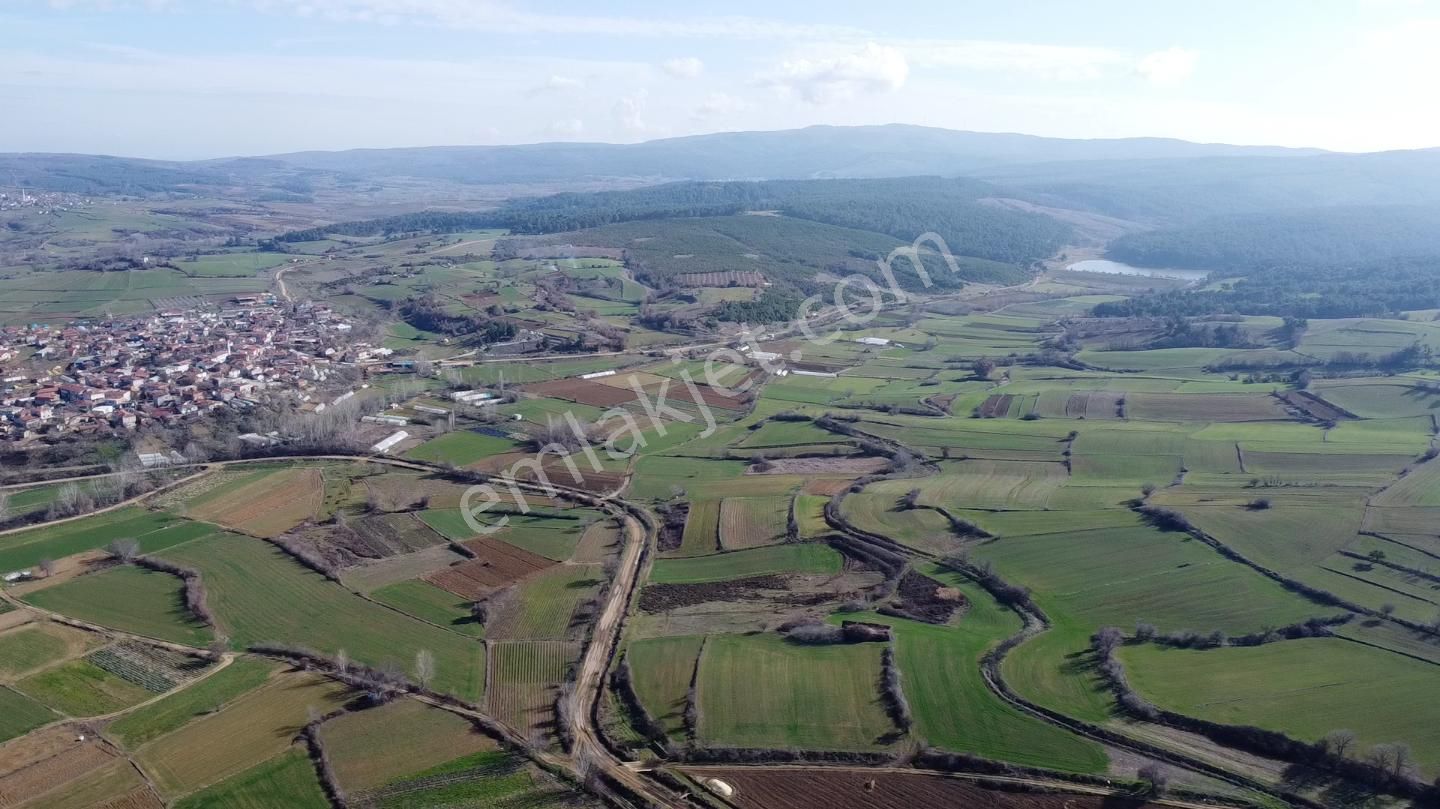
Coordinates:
[1144,180]
[815,152]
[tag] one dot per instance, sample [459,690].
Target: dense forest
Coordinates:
[902,208]
[1302,291]
[1243,244]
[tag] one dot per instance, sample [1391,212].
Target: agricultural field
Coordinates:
[20,714]
[1009,475]
[154,531]
[219,689]
[752,522]
[461,448]
[800,558]
[489,778]
[1306,688]
[128,598]
[546,605]
[814,696]
[254,587]
[246,733]
[525,677]
[81,689]
[373,747]
[762,788]
[34,646]
[265,503]
[288,779]
[661,670]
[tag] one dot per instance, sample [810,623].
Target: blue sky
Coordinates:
[206,78]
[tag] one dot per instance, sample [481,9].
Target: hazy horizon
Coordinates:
[194,79]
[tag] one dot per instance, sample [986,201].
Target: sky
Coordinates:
[188,79]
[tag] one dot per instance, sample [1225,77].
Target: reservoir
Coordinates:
[1118,268]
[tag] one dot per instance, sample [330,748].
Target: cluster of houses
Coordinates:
[46,201]
[110,376]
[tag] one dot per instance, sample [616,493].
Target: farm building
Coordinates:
[393,421]
[387,443]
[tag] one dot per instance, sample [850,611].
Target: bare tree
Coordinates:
[4,507]
[342,661]
[196,454]
[1155,777]
[1107,640]
[1393,758]
[424,667]
[123,549]
[47,567]
[218,647]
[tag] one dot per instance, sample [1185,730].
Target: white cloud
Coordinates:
[1170,66]
[820,80]
[1062,62]
[566,128]
[719,104]
[687,67]
[556,84]
[503,17]
[630,112]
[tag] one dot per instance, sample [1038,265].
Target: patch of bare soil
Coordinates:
[672,525]
[924,599]
[818,466]
[66,569]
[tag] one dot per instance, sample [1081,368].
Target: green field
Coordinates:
[81,689]
[260,595]
[142,725]
[153,530]
[545,603]
[492,778]
[287,780]
[955,710]
[429,603]
[461,448]
[660,669]
[129,598]
[250,730]
[20,714]
[1305,688]
[803,558]
[373,747]
[813,696]
[28,648]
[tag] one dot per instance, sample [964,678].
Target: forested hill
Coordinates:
[903,208]
[893,150]
[1370,289]
[1316,237]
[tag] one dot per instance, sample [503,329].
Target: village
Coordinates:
[113,376]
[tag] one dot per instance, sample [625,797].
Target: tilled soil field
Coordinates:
[853,789]
[497,564]
[583,391]
[995,407]
[820,466]
[47,763]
